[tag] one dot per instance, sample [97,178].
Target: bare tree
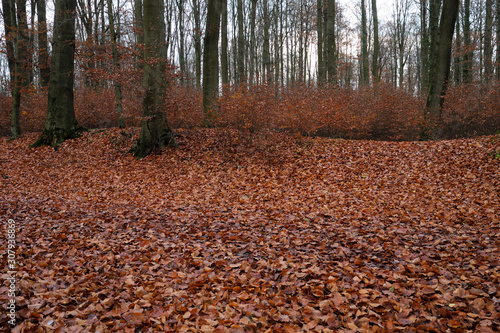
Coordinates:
[61,123]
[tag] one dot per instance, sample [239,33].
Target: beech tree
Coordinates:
[442,49]
[155,132]
[211,62]
[61,123]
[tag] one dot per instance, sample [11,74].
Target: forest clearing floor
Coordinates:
[230,233]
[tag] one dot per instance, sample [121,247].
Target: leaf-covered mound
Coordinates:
[231,233]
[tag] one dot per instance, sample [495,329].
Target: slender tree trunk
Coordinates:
[331,59]
[197,41]
[467,66]
[155,132]
[266,57]
[365,74]
[376,44]
[252,42]
[139,32]
[498,40]
[241,44]
[43,55]
[457,71]
[61,123]
[182,57]
[439,82]
[116,63]
[319,28]
[424,47]
[211,63]
[488,37]
[224,46]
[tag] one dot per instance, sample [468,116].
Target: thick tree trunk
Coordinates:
[376,44]
[211,63]
[435,7]
[61,123]
[155,132]
[116,63]
[439,82]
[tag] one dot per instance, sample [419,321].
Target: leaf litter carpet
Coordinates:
[231,233]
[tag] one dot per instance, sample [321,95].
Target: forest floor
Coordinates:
[268,234]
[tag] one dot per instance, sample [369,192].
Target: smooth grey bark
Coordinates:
[424,47]
[211,63]
[61,123]
[251,67]
[155,132]
[182,57]
[266,57]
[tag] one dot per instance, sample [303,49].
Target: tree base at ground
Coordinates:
[155,136]
[54,137]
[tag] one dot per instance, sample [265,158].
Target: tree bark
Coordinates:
[319,28]
[61,123]
[211,63]
[497,69]
[266,57]
[43,52]
[439,83]
[467,65]
[488,37]
[116,63]
[197,41]
[376,44]
[331,47]
[365,75]
[241,44]
[424,47]
[224,46]
[252,42]
[155,132]
[182,57]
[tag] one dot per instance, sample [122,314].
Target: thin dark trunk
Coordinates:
[211,63]
[488,37]
[197,41]
[241,44]
[319,27]
[43,52]
[365,74]
[182,57]
[376,44]
[116,63]
[224,46]
[424,47]
[331,59]
[265,47]
[467,66]
[252,42]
